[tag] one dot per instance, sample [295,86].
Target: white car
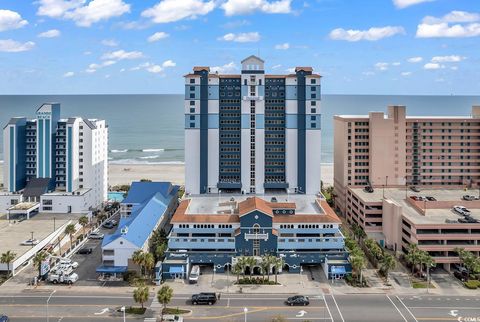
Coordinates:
[172,318]
[69,262]
[461,210]
[63,278]
[96,235]
[30,242]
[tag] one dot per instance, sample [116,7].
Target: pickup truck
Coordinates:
[63,278]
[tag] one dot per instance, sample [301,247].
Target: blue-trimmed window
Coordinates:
[192,80]
[192,125]
[313,118]
[313,103]
[192,110]
[313,88]
[192,95]
[314,95]
[192,117]
[314,125]
[313,110]
[314,81]
[192,88]
[192,103]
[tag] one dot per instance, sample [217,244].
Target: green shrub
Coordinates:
[135,310]
[472,284]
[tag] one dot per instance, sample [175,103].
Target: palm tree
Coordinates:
[101,217]
[387,264]
[237,270]
[7,258]
[251,262]
[148,262]
[358,263]
[138,258]
[242,264]
[278,264]
[38,259]
[140,295]
[413,256]
[84,222]
[265,266]
[70,231]
[425,259]
[164,296]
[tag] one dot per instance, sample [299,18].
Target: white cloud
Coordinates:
[405,74]
[396,63]
[225,69]
[173,10]
[68,74]
[158,36]
[82,12]
[368,73]
[11,20]
[456,24]
[122,54]
[448,59]
[241,37]
[50,34]
[283,46]
[381,66]
[276,66]
[87,53]
[415,59]
[155,68]
[454,68]
[110,42]
[12,46]
[290,70]
[169,63]
[372,34]
[241,7]
[433,66]
[90,70]
[407,3]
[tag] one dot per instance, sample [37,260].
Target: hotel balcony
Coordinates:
[256,236]
[311,243]
[201,243]
[229,185]
[254,98]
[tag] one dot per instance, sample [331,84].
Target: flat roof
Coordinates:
[211,203]
[13,233]
[24,206]
[437,212]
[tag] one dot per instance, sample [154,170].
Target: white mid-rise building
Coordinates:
[62,163]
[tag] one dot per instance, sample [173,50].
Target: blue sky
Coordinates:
[133,46]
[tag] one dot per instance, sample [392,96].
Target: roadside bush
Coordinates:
[130,276]
[472,284]
[256,281]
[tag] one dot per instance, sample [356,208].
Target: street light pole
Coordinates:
[123,310]
[48,300]
[245,310]
[32,238]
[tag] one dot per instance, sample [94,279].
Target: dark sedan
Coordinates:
[297,300]
[85,251]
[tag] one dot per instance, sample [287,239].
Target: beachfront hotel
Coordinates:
[252,162]
[252,132]
[399,177]
[54,164]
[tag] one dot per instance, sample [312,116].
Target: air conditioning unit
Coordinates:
[124,230]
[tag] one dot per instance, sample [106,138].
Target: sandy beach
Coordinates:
[126,173]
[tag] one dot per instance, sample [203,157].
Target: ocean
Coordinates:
[149,129]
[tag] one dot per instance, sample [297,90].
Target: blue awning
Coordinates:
[111,269]
[175,269]
[338,270]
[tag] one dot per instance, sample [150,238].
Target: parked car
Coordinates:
[63,278]
[468,197]
[68,262]
[368,189]
[95,235]
[414,188]
[108,225]
[194,274]
[204,298]
[4,318]
[297,300]
[416,198]
[30,242]
[85,251]
[429,198]
[172,318]
[461,273]
[461,210]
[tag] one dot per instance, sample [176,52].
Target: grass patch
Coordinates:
[472,284]
[421,285]
[255,281]
[135,310]
[171,310]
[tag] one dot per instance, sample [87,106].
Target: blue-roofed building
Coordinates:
[150,206]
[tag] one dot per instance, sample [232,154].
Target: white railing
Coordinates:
[256,236]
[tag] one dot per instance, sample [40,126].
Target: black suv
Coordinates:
[297,300]
[204,298]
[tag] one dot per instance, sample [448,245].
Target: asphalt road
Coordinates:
[67,307]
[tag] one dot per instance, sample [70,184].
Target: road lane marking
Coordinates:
[397,308]
[341,315]
[413,316]
[328,309]
[445,307]
[227,315]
